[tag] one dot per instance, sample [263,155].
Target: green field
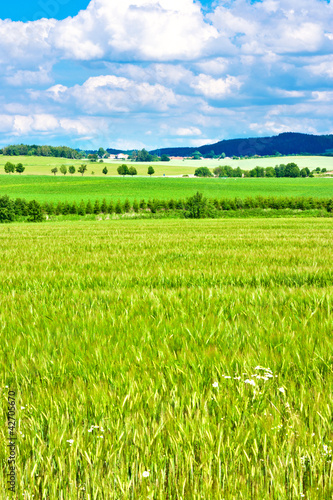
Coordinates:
[42,165]
[44,188]
[202,350]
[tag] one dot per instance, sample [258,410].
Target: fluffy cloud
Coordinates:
[164,71]
[216,88]
[188,131]
[111,93]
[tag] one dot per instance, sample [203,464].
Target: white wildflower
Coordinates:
[216,384]
[145,473]
[281,389]
[249,381]
[70,441]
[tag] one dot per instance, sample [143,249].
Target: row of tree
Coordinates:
[289,170]
[10,168]
[34,150]
[122,170]
[196,206]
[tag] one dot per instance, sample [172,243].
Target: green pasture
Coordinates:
[168,359]
[44,188]
[43,165]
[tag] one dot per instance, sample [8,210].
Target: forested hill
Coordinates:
[285,143]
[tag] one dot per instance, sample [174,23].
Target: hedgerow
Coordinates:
[195,207]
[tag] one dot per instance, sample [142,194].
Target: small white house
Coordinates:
[121,156]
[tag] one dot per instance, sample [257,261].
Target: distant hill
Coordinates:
[112,151]
[285,144]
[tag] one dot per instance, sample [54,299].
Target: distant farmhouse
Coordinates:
[121,156]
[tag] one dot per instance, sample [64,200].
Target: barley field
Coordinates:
[168,359]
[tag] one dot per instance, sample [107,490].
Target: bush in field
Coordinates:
[82,208]
[292,170]
[105,171]
[329,206]
[58,209]
[66,208]
[74,209]
[203,172]
[9,168]
[35,213]
[257,172]
[127,206]
[123,170]
[89,208]
[54,170]
[118,208]
[71,169]
[82,169]
[19,168]
[97,208]
[151,171]
[7,213]
[20,207]
[132,171]
[111,207]
[104,207]
[135,206]
[63,169]
[270,172]
[197,207]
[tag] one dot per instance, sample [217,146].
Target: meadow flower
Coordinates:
[251,382]
[281,389]
[216,384]
[70,441]
[145,473]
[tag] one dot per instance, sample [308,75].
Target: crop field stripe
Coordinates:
[46,189]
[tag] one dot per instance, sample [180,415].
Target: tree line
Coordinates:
[289,170]
[66,152]
[196,206]
[34,150]
[122,170]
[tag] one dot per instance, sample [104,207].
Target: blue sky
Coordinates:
[23,10]
[155,73]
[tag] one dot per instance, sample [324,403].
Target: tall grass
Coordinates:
[156,332]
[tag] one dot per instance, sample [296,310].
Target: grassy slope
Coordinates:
[44,188]
[42,166]
[127,326]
